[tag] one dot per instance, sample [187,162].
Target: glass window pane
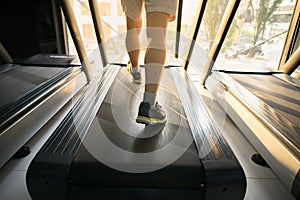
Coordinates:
[213,14]
[104,8]
[86,27]
[296,45]
[212,18]
[257,34]
[296,73]
[189,16]
[113,25]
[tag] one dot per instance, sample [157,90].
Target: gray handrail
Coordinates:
[196,28]
[227,19]
[98,29]
[75,33]
[292,64]
[61,39]
[178,28]
[289,41]
[4,55]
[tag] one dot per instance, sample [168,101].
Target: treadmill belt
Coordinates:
[283,97]
[22,87]
[99,151]
[58,60]
[275,102]
[19,80]
[158,167]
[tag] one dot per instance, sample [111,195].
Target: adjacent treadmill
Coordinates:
[100,152]
[264,104]
[28,87]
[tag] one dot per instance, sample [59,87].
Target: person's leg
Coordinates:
[133,47]
[133,11]
[159,13]
[150,112]
[132,39]
[156,52]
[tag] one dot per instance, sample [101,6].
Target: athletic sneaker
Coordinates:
[151,114]
[136,76]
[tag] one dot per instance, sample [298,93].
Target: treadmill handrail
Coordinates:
[196,28]
[292,64]
[4,55]
[98,29]
[178,27]
[78,41]
[223,29]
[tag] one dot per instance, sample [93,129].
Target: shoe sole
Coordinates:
[149,121]
[137,81]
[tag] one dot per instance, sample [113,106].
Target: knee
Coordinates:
[156,38]
[133,29]
[133,24]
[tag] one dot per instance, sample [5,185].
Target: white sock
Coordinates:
[150,98]
[135,69]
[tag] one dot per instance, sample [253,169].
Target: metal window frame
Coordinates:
[4,55]
[225,24]
[98,29]
[196,28]
[60,28]
[288,61]
[292,63]
[178,27]
[77,38]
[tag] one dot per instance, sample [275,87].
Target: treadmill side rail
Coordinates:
[225,178]
[47,175]
[40,176]
[42,108]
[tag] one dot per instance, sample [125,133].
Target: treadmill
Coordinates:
[99,151]
[264,104]
[29,87]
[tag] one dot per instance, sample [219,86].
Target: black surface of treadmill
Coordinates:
[186,172]
[116,122]
[58,60]
[103,165]
[281,96]
[276,103]
[127,193]
[18,81]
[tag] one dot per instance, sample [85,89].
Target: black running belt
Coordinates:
[116,117]
[57,60]
[118,158]
[20,85]
[21,79]
[282,98]
[275,103]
